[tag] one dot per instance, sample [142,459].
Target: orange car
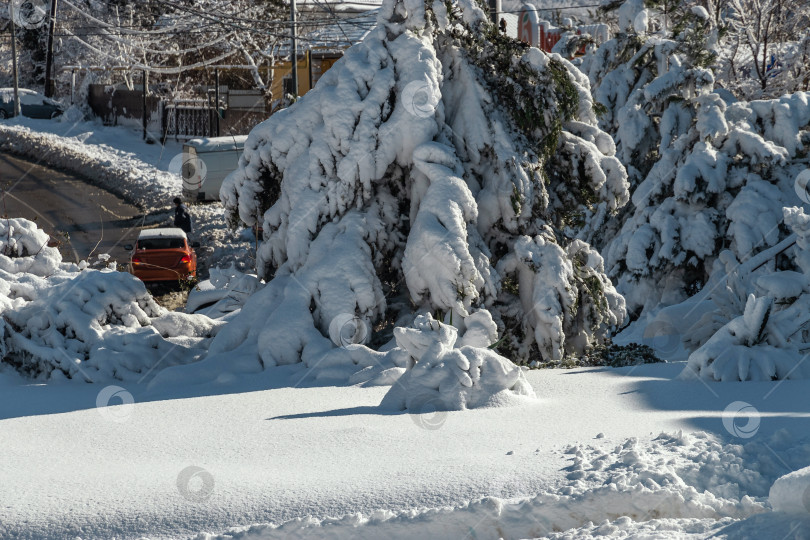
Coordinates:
[163,255]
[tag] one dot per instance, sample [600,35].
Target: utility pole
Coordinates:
[14,59]
[216,96]
[49,85]
[495,10]
[294,51]
[145,79]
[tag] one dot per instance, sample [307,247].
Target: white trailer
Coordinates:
[206,163]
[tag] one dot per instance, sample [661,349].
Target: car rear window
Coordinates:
[161,243]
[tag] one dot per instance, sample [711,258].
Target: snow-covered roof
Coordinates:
[338,36]
[165,232]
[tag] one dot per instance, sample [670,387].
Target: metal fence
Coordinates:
[188,120]
[181,119]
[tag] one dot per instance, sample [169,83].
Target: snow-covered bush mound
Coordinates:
[63,322]
[438,166]
[24,248]
[791,493]
[96,326]
[762,335]
[448,373]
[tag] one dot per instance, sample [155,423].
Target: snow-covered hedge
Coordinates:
[439,165]
[24,249]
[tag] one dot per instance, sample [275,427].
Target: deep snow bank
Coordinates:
[117,170]
[676,484]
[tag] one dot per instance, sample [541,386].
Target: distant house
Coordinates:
[320,49]
[539,33]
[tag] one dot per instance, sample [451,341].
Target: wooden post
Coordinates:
[309,66]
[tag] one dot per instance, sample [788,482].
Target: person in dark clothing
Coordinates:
[182,219]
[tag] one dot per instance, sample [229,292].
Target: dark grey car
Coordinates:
[32,104]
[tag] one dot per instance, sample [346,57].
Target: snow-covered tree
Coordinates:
[706,175]
[623,69]
[720,183]
[169,38]
[439,165]
[767,50]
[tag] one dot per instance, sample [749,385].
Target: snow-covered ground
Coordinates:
[238,445]
[328,462]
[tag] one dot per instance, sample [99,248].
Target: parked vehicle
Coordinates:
[163,255]
[32,104]
[206,163]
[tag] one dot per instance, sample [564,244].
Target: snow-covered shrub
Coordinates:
[768,339]
[441,162]
[223,293]
[24,248]
[444,374]
[766,47]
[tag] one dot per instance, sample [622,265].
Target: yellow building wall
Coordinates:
[281,70]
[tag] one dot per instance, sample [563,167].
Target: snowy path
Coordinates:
[283,453]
